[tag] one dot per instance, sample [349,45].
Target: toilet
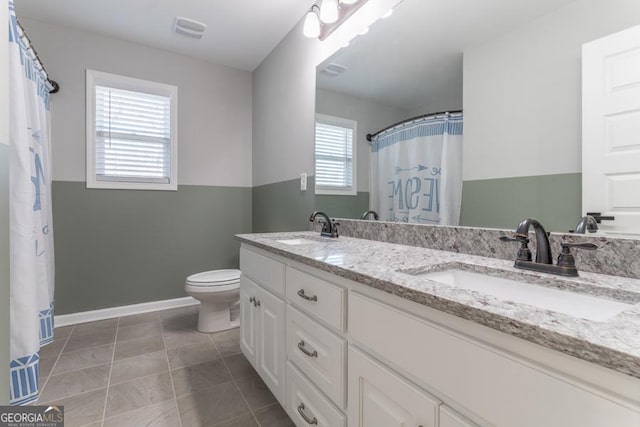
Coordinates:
[219,293]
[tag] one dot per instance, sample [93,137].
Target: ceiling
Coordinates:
[240,33]
[416,53]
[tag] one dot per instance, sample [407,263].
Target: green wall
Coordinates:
[502,203]
[120,247]
[283,207]
[4,273]
[343,206]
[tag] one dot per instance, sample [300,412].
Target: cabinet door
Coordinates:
[380,398]
[450,418]
[248,314]
[271,347]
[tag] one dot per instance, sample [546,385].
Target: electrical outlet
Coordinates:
[303,182]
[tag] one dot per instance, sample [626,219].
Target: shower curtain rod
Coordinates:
[55,87]
[371,136]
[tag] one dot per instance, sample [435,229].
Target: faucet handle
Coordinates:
[566,247]
[514,239]
[524,253]
[566,258]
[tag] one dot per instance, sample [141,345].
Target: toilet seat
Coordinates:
[214,278]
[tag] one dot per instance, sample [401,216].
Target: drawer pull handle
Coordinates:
[256,303]
[305,351]
[252,299]
[301,294]
[309,421]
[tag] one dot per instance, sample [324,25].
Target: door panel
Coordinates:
[248,291]
[271,353]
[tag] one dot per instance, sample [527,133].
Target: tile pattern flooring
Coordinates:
[155,370]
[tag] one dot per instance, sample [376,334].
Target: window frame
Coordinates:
[346,123]
[99,78]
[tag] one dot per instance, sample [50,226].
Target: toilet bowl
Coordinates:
[218,292]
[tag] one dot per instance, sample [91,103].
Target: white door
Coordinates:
[611,130]
[271,346]
[248,314]
[380,398]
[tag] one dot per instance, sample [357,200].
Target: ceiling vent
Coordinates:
[333,69]
[189,27]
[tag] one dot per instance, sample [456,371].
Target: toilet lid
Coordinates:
[214,277]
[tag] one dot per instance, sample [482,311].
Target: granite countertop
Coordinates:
[613,343]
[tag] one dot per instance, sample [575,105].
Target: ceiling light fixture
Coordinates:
[321,20]
[311,26]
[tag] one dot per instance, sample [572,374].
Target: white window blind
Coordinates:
[132,136]
[334,155]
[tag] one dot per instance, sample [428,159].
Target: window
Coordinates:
[131,133]
[335,155]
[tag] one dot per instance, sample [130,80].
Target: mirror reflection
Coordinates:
[516,72]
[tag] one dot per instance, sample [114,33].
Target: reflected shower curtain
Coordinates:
[417,171]
[31,234]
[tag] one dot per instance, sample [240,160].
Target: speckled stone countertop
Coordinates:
[613,343]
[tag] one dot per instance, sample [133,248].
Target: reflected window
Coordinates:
[335,156]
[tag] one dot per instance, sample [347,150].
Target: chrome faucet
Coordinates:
[587,223]
[566,265]
[329,226]
[367,213]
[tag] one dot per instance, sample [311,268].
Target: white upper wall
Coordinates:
[369,116]
[522,92]
[214,103]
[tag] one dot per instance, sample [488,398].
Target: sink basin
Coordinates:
[571,303]
[294,242]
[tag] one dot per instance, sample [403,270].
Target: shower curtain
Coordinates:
[417,171]
[31,233]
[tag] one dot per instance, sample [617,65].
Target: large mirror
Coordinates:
[513,67]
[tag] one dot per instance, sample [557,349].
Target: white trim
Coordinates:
[94,78]
[347,123]
[125,310]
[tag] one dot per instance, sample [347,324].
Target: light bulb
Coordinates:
[348,1]
[329,11]
[311,26]
[363,32]
[388,14]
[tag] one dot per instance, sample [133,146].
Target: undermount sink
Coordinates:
[567,302]
[294,242]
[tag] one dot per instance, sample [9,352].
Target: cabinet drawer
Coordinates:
[494,385]
[317,297]
[305,401]
[264,270]
[450,418]
[318,353]
[378,397]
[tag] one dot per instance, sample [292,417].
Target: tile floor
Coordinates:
[155,370]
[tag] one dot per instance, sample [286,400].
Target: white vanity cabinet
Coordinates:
[450,418]
[339,353]
[380,398]
[262,319]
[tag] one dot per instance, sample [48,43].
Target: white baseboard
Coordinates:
[125,310]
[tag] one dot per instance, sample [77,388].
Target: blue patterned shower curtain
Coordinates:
[31,233]
[417,171]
